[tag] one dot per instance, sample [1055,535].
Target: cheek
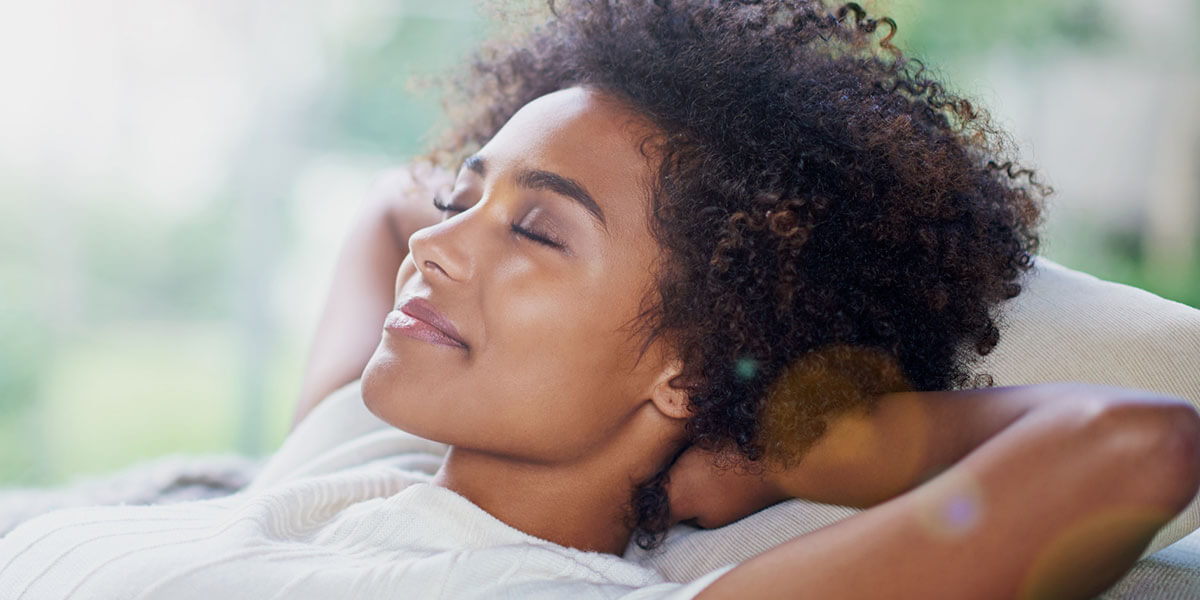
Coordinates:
[552,379]
[566,338]
[558,378]
[406,272]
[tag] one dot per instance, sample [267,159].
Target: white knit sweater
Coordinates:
[343,510]
[380,530]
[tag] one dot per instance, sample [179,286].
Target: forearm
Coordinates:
[363,287]
[358,299]
[865,457]
[868,457]
[1057,504]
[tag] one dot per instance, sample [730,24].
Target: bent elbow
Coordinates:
[1158,438]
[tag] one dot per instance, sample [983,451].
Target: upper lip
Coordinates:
[424,310]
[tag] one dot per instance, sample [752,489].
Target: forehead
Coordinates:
[584,135]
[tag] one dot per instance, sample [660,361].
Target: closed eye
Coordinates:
[442,206]
[536,237]
[529,234]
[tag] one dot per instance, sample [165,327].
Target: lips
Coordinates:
[430,324]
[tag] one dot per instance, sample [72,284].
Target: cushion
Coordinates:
[1172,573]
[1070,326]
[1064,326]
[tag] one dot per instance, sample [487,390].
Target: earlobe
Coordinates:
[673,401]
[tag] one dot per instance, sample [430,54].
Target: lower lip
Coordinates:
[402,324]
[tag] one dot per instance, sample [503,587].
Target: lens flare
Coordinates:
[821,385]
[955,508]
[1069,555]
[746,367]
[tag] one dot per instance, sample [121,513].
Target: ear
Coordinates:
[673,402]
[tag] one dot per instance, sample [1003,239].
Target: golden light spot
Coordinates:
[819,387]
[855,439]
[1069,556]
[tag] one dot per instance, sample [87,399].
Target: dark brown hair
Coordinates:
[817,189]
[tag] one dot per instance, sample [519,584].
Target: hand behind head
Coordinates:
[712,490]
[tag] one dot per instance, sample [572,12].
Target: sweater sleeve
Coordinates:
[677,591]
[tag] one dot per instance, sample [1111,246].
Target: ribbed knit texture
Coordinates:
[375,531]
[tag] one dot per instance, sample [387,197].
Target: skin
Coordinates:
[597,416]
[552,412]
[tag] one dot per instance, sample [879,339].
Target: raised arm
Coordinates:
[1047,492]
[364,280]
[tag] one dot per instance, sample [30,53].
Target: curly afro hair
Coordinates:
[817,190]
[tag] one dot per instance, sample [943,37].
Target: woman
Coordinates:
[686,236]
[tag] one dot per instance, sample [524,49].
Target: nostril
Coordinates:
[429,264]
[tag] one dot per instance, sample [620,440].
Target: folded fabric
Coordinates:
[368,531]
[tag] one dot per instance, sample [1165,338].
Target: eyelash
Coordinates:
[517,229]
[442,206]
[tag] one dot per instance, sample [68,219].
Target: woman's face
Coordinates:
[539,267]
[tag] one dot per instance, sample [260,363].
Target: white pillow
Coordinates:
[1064,326]
[1070,326]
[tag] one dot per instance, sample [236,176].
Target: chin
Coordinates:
[396,396]
[380,382]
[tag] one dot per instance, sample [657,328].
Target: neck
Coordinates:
[583,505]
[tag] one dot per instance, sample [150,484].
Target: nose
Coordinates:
[440,251]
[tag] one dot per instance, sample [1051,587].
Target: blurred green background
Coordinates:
[175,179]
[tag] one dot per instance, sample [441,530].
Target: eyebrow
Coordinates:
[536,179]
